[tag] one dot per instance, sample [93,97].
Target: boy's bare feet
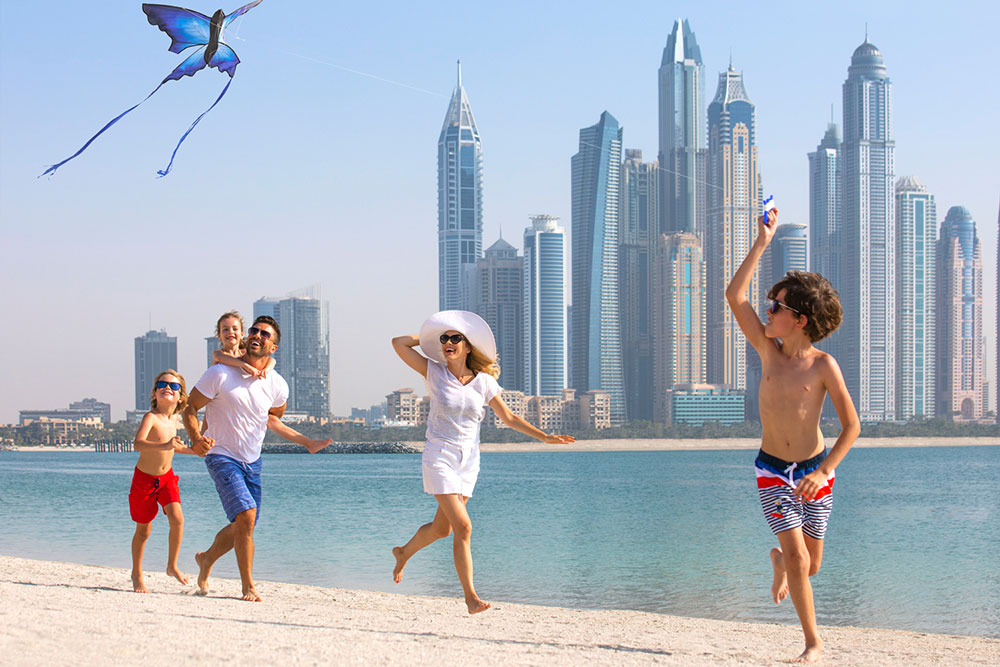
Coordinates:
[204,569]
[250,594]
[316,445]
[177,574]
[476,605]
[397,572]
[779,588]
[138,585]
[811,654]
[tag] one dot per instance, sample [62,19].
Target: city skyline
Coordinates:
[319,219]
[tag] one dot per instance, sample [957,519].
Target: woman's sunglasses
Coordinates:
[454,339]
[163,384]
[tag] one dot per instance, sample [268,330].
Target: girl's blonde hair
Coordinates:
[480,363]
[182,401]
[231,313]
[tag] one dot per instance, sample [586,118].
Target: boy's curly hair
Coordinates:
[813,296]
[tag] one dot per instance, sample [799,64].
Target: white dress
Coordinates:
[450,461]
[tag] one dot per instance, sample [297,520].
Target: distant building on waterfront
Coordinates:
[960,367]
[544,328]
[498,294]
[788,251]
[595,336]
[212,343]
[824,206]
[868,238]
[155,352]
[460,200]
[95,407]
[916,249]
[696,404]
[303,354]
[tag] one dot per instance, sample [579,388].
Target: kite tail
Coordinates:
[52,169]
[164,172]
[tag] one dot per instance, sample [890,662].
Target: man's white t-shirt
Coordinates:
[237,409]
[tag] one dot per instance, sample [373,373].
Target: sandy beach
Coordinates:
[61,613]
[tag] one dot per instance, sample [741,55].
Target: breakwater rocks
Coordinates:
[346,448]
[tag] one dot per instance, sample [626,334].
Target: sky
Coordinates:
[319,165]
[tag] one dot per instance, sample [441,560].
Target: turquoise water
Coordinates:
[911,545]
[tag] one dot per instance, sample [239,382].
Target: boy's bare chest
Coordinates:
[791,381]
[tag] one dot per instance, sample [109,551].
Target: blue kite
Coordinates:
[186,29]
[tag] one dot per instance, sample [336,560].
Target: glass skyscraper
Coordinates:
[155,352]
[789,251]
[499,295]
[868,238]
[916,237]
[460,200]
[734,203]
[595,344]
[544,328]
[824,206]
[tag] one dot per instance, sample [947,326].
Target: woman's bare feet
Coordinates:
[811,654]
[476,605]
[138,585]
[177,574]
[250,594]
[779,587]
[397,572]
[204,569]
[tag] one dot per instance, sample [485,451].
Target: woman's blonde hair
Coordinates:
[182,402]
[480,363]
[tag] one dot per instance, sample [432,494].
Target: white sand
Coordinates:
[60,613]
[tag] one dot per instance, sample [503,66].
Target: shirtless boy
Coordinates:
[154,480]
[794,471]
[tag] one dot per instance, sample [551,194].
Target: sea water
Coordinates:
[911,545]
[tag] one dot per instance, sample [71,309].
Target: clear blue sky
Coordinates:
[319,166]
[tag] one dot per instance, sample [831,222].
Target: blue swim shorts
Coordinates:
[237,483]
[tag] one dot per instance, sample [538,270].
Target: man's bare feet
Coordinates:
[178,575]
[397,572]
[779,587]
[316,445]
[476,605]
[204,569]
[811,654]
[250,594]
[138,585]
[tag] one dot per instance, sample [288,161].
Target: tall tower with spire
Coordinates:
[868,237]
[460,201]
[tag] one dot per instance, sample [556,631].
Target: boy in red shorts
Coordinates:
[154,480]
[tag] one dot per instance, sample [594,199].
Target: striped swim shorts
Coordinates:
[776,480]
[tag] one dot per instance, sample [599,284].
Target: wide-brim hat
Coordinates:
[473,327]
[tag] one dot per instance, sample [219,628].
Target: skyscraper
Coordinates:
[678,313]
[303,354]
[637,236]
[155,352]
[916,235]
[595,345]
[868,237]
[499,296]
[682,155]
[544,307]
[824,206]
[960,369]
[734,202]
[460,200]
[788,251]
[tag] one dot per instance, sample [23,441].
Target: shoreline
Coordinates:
[647,445]
[62,612]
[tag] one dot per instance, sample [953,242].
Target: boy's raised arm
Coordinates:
[736,292]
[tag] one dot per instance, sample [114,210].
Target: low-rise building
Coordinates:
[696,404]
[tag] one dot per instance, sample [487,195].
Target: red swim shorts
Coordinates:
[148,490]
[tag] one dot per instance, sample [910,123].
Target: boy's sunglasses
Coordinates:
[163,384]
[775,305]
[254,331]
[454,339]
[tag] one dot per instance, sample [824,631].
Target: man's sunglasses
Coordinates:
[775,305]
[254,331]
[163,384]
[454,339]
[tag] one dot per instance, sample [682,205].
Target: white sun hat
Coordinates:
[469,324]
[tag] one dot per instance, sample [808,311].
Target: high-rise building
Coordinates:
[682,154]
[788,251]
[916,237]
[637,235]
[212,343]
[960,368]
[734,202]
[595,343]
[155,352]
[678,313]
[868,239]
[544,327]
[824,206]
[460,200]
[303,354]
[498,299]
